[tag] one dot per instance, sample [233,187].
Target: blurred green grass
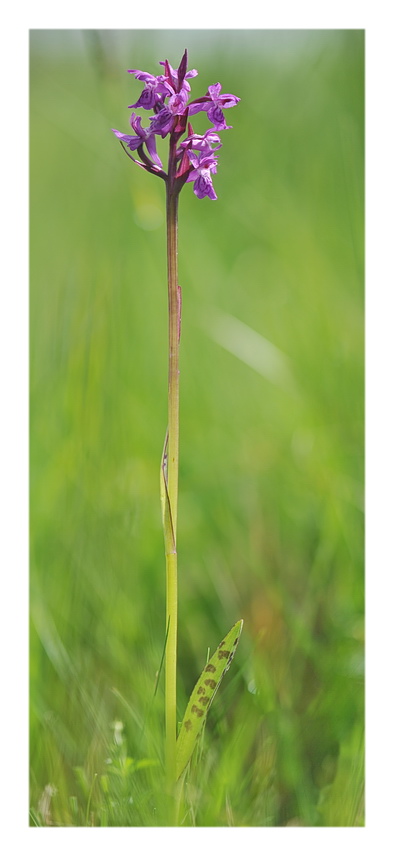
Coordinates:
[271,476]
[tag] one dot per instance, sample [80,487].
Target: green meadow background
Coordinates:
[272,431]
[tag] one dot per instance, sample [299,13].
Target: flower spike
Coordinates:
[167,95]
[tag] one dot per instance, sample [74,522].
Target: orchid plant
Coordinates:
[191,159]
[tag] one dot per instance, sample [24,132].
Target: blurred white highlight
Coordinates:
[250,347]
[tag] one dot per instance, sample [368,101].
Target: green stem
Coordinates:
[171,483]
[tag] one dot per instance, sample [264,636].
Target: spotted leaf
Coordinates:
[203,695]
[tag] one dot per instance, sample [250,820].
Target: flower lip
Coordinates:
[147,99]
[162,122]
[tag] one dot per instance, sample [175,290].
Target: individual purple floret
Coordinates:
[167,95]
[213,103]
[207,142]
[143,135]
[154,92]
[201,174]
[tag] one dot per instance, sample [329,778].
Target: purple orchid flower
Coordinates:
[213,103]
[163,121]
[154,92]
[201,174]
[143,135]
[177,101]
[173,83]
[206,143]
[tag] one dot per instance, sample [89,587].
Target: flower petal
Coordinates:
[214,90]
[197,106]
[131,142]
[150,143]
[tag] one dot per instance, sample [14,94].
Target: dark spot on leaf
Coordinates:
[210,668]
[197,710]
[205,699]
[210,683]
[200,690]
[188,724]
[223,654]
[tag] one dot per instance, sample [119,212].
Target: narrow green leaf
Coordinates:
[203,695]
